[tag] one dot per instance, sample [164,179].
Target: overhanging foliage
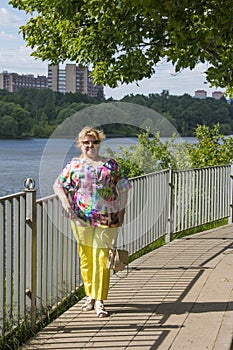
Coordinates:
[125,39]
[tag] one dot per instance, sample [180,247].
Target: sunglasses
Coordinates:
[92,143]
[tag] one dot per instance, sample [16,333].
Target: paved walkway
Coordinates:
[179,296]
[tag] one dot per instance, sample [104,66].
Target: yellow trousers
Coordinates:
[93,249]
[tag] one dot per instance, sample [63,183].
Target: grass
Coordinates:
[201,228]
[23,332]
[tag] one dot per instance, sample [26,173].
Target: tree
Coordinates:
[43,129]
[67,112]
[152,154]
[212,148]
[9,126]
[16,118]
[125,39]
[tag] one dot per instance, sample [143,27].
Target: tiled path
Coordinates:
[179,296]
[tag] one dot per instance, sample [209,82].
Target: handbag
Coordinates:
[117,258]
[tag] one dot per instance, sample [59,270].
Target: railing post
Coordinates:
[29,188]
[230,220]
[168,236]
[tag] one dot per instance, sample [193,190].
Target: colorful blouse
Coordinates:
[94,192]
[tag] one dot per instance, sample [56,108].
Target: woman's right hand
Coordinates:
[68,211]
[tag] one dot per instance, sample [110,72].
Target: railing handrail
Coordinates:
[46,198]
[149,174]
[202,168]
[10,196]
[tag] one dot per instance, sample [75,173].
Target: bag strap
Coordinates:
[114,242]
[123,238]
[123,245]
[123,242]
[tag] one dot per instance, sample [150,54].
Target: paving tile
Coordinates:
[178,297]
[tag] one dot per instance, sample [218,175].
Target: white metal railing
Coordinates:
[39,265]
[147,211]
[13,257]
[200,196]
[57,259]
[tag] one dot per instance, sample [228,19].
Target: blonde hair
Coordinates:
[89,131]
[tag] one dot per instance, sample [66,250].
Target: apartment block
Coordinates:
[200,94]
[217,95]
[13,81]
[203,94]
[72,79]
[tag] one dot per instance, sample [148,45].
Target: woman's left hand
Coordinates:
[121,217]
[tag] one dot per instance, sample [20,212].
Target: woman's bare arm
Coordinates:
[60,192]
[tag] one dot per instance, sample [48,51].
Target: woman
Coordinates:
[93,191]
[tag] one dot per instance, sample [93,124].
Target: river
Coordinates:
[21,159]
[42,160]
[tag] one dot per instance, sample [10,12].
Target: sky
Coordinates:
[15,57]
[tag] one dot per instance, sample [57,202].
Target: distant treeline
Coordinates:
[37,113]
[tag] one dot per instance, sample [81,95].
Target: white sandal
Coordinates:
[100,310]
[89,304]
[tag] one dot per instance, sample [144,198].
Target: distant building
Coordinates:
[72,79]
[217,95]
[13,81]
[200,94]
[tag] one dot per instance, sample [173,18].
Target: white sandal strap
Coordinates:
[100,310]
[89,304]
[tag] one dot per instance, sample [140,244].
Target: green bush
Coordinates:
[152,154]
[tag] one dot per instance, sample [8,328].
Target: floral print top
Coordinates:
[94,192]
